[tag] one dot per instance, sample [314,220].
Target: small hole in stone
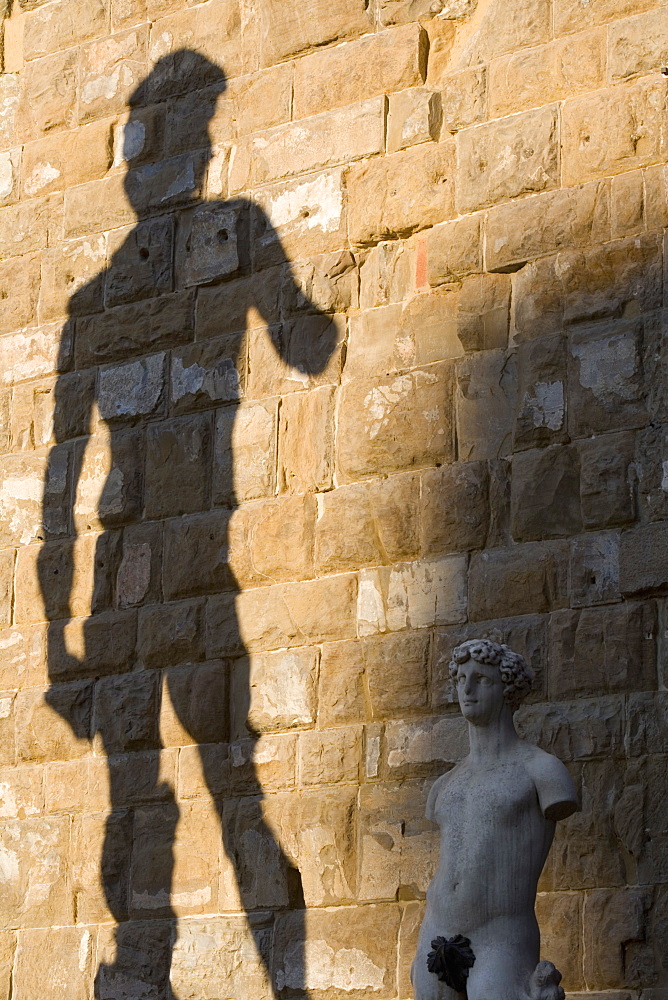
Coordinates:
[664,70]
[222,236]
[143,253]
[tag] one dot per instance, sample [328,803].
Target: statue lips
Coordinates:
[451,960]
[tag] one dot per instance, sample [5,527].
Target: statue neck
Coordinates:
[496,738]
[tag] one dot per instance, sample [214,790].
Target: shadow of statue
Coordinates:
[161,512]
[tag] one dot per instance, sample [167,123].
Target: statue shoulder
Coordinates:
[435,791]
[554,785]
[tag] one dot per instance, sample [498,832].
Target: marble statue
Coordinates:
[497,811]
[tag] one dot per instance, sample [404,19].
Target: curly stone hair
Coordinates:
[516,674]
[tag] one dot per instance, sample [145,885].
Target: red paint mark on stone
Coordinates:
[421,264]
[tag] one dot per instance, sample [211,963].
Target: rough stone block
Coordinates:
[35,890]
[336,939]
[505,159]
[641,558]
[245,450]
[414,116]
[307,217]
[218,956]
[377,64]
[138,328]
[111,69]
[194,705]
[132,390]
[326,758]
[454,249]
[97,206]
[54,962]
[207,373]
[545,498]
[628,204]
[45,33]
[541,414]
[650,467]
[569,15]
[606,384]
[486,390]
[341,692]
[595,569]
[398,845]
[70,278]
[178,479]
[504,27]
[484,308]
[553,72]
[195,29]
[272,541]
[306,441]
[48,95]
[390,425]
[560,919]
[525,579]
[23,657]
[21,792]
[170,634]
[196,555]
[585,729]
[399,194]
[600,650]
[288,28]
[302,353]
[395,669]
[10,96]
[330,280]
[611,131]
[126,711]
[463,97]
[266,761]
[57,730]
[367,523]
[422,747]
[205,770]
[402,11]
[647,728]
[387,274]
[615,937]
[421,594]
[455,508]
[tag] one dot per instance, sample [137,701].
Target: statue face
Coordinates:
[480,692]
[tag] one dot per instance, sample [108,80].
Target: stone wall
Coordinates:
[292,400]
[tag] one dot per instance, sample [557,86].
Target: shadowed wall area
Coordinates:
[331,335]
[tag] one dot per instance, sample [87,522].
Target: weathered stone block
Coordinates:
[585,729]
[611,131]
[486,390]
[336,938]
[194,30]
[218,956]
[396,670]
[266,761]
[606,384]
[647,729]
[341,691]
[390,425]
[195,705]
[454,250]
[524,579]
[307,217]
[245,450]
[333,757]
[484,308]
[377,64]
[70,278]
[305,441]
[641,558]
[599,650]
[132,390]
[170,634]
[615,937]
[330,280]
[153,859]
[19,289]
[257,873]
[54,961]
[541,414]
[505,159]
[560,919]
[595,569]
[10,96]
[89,832]
[97,206]
[422,747]
[398,845]
[505,27]
[455,508]
[367,523]
[141,262]
[272,541]
[59,730]
[627,202]
[205,770]
[561,69]
[205,568]
[396,195]
[414,116]
[111,69]
[421,594]
[569,16]
[650,467]
[300,354]
[126,711]
[554,220]
[274,691]
[48,95]
[21,792]
[463,97]
[545,498]
[35,890]
[178,479]
[206,373]
[289,28]
[402,11]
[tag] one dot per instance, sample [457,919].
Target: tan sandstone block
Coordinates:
[637,45]
[421,594]
[10,96]
[545,498]
[552,221]
[454,250]
[560,918]
[395,672]
[463,97]
[48,96]
[322,141]
[401,193]
[378,64]
[48,29]
[33,496]
[402,11]
[412,915]
[504,159]
[336,939]
[111,68]
[307,216]
[333,757]
[414,116]
[21,792]
[97,206]
[506,25]
[76,786]
[387,274]
[23,657]
[54,962]
[562,69]
[274,691]
[218,956]
[485,397]
[213,29]
[35,893]
[70,269]
[7,559]
[45,731]
[398,845]
[367,523]
[628,203]
[245,450]
[19,289]
[267,761]
[612,130]
[420,747]
[29,226]
[569,15]
[454,508]
[10,166]
[341,693]
[615,928]
[272,541]
[288,27]
[387,425]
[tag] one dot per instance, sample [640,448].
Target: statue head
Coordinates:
[488,675]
